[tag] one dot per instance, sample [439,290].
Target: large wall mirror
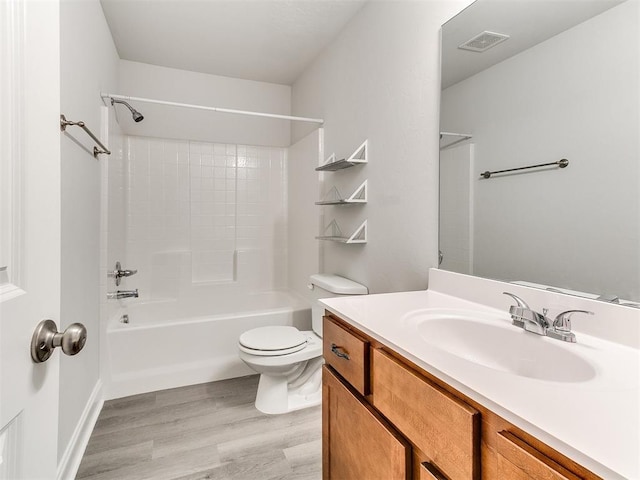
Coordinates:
[564,85]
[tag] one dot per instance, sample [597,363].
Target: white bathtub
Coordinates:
[172,344]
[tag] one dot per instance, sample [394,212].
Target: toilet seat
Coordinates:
[273,340]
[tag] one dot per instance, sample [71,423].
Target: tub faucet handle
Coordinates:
[118,273]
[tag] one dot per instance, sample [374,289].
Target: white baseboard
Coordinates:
[70,461]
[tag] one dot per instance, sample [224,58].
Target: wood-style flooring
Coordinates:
[207,431]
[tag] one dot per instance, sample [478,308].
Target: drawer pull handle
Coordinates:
[339,352]
[433,471]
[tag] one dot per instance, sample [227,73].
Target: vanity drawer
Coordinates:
[347,353]
[517,460]
[443,427]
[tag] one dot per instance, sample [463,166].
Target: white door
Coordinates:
[29,234]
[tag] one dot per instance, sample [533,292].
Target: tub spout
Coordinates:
[118,294]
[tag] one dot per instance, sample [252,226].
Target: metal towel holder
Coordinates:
[560,164]
[64,123]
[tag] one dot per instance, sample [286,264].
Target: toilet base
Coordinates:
[280,394]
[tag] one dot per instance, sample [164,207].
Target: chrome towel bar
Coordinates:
[64,123]
[560,164]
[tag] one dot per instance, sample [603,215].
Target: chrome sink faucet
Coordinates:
[524,317]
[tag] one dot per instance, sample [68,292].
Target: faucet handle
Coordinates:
[519,301]
[517,312]
[562,322]
[118,273]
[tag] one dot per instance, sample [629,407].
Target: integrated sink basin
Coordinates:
[491,341]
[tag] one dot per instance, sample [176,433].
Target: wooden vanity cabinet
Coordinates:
[406,416]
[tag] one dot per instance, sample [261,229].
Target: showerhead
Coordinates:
[137,116]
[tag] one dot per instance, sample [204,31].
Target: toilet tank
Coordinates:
[324,285]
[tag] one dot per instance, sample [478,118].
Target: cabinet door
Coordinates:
[518,460]
[443,427]
[357,443]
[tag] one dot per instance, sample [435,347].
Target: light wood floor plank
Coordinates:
[262,466]
[133,404]
[202,432]
[303,457]
[166,468]
[115,458]
[275,437]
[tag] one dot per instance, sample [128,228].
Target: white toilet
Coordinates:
[289,361]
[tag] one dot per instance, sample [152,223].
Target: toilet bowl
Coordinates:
[288,360]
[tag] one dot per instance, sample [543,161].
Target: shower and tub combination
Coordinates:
[177,343]
[205,225]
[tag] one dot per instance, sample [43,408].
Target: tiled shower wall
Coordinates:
[204,214]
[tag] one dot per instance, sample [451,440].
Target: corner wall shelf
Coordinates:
[357,158]
[359,196]
[359,236]
[449,139]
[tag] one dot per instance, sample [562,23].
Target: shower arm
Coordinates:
[137,116]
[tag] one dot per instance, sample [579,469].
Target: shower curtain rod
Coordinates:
[213,109]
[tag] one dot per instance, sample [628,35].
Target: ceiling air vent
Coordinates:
[484,41]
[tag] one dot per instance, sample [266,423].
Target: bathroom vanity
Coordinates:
[426,385]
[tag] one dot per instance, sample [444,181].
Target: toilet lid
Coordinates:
[273,340]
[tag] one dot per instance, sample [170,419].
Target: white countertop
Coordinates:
[594,422]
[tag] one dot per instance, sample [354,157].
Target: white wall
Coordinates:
[150,81]
[380,80]
[579,227]
[88,65]
[303,192]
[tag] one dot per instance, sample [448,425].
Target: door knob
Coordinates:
[46,338]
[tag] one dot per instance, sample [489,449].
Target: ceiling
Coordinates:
[527,22]
[264,40]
